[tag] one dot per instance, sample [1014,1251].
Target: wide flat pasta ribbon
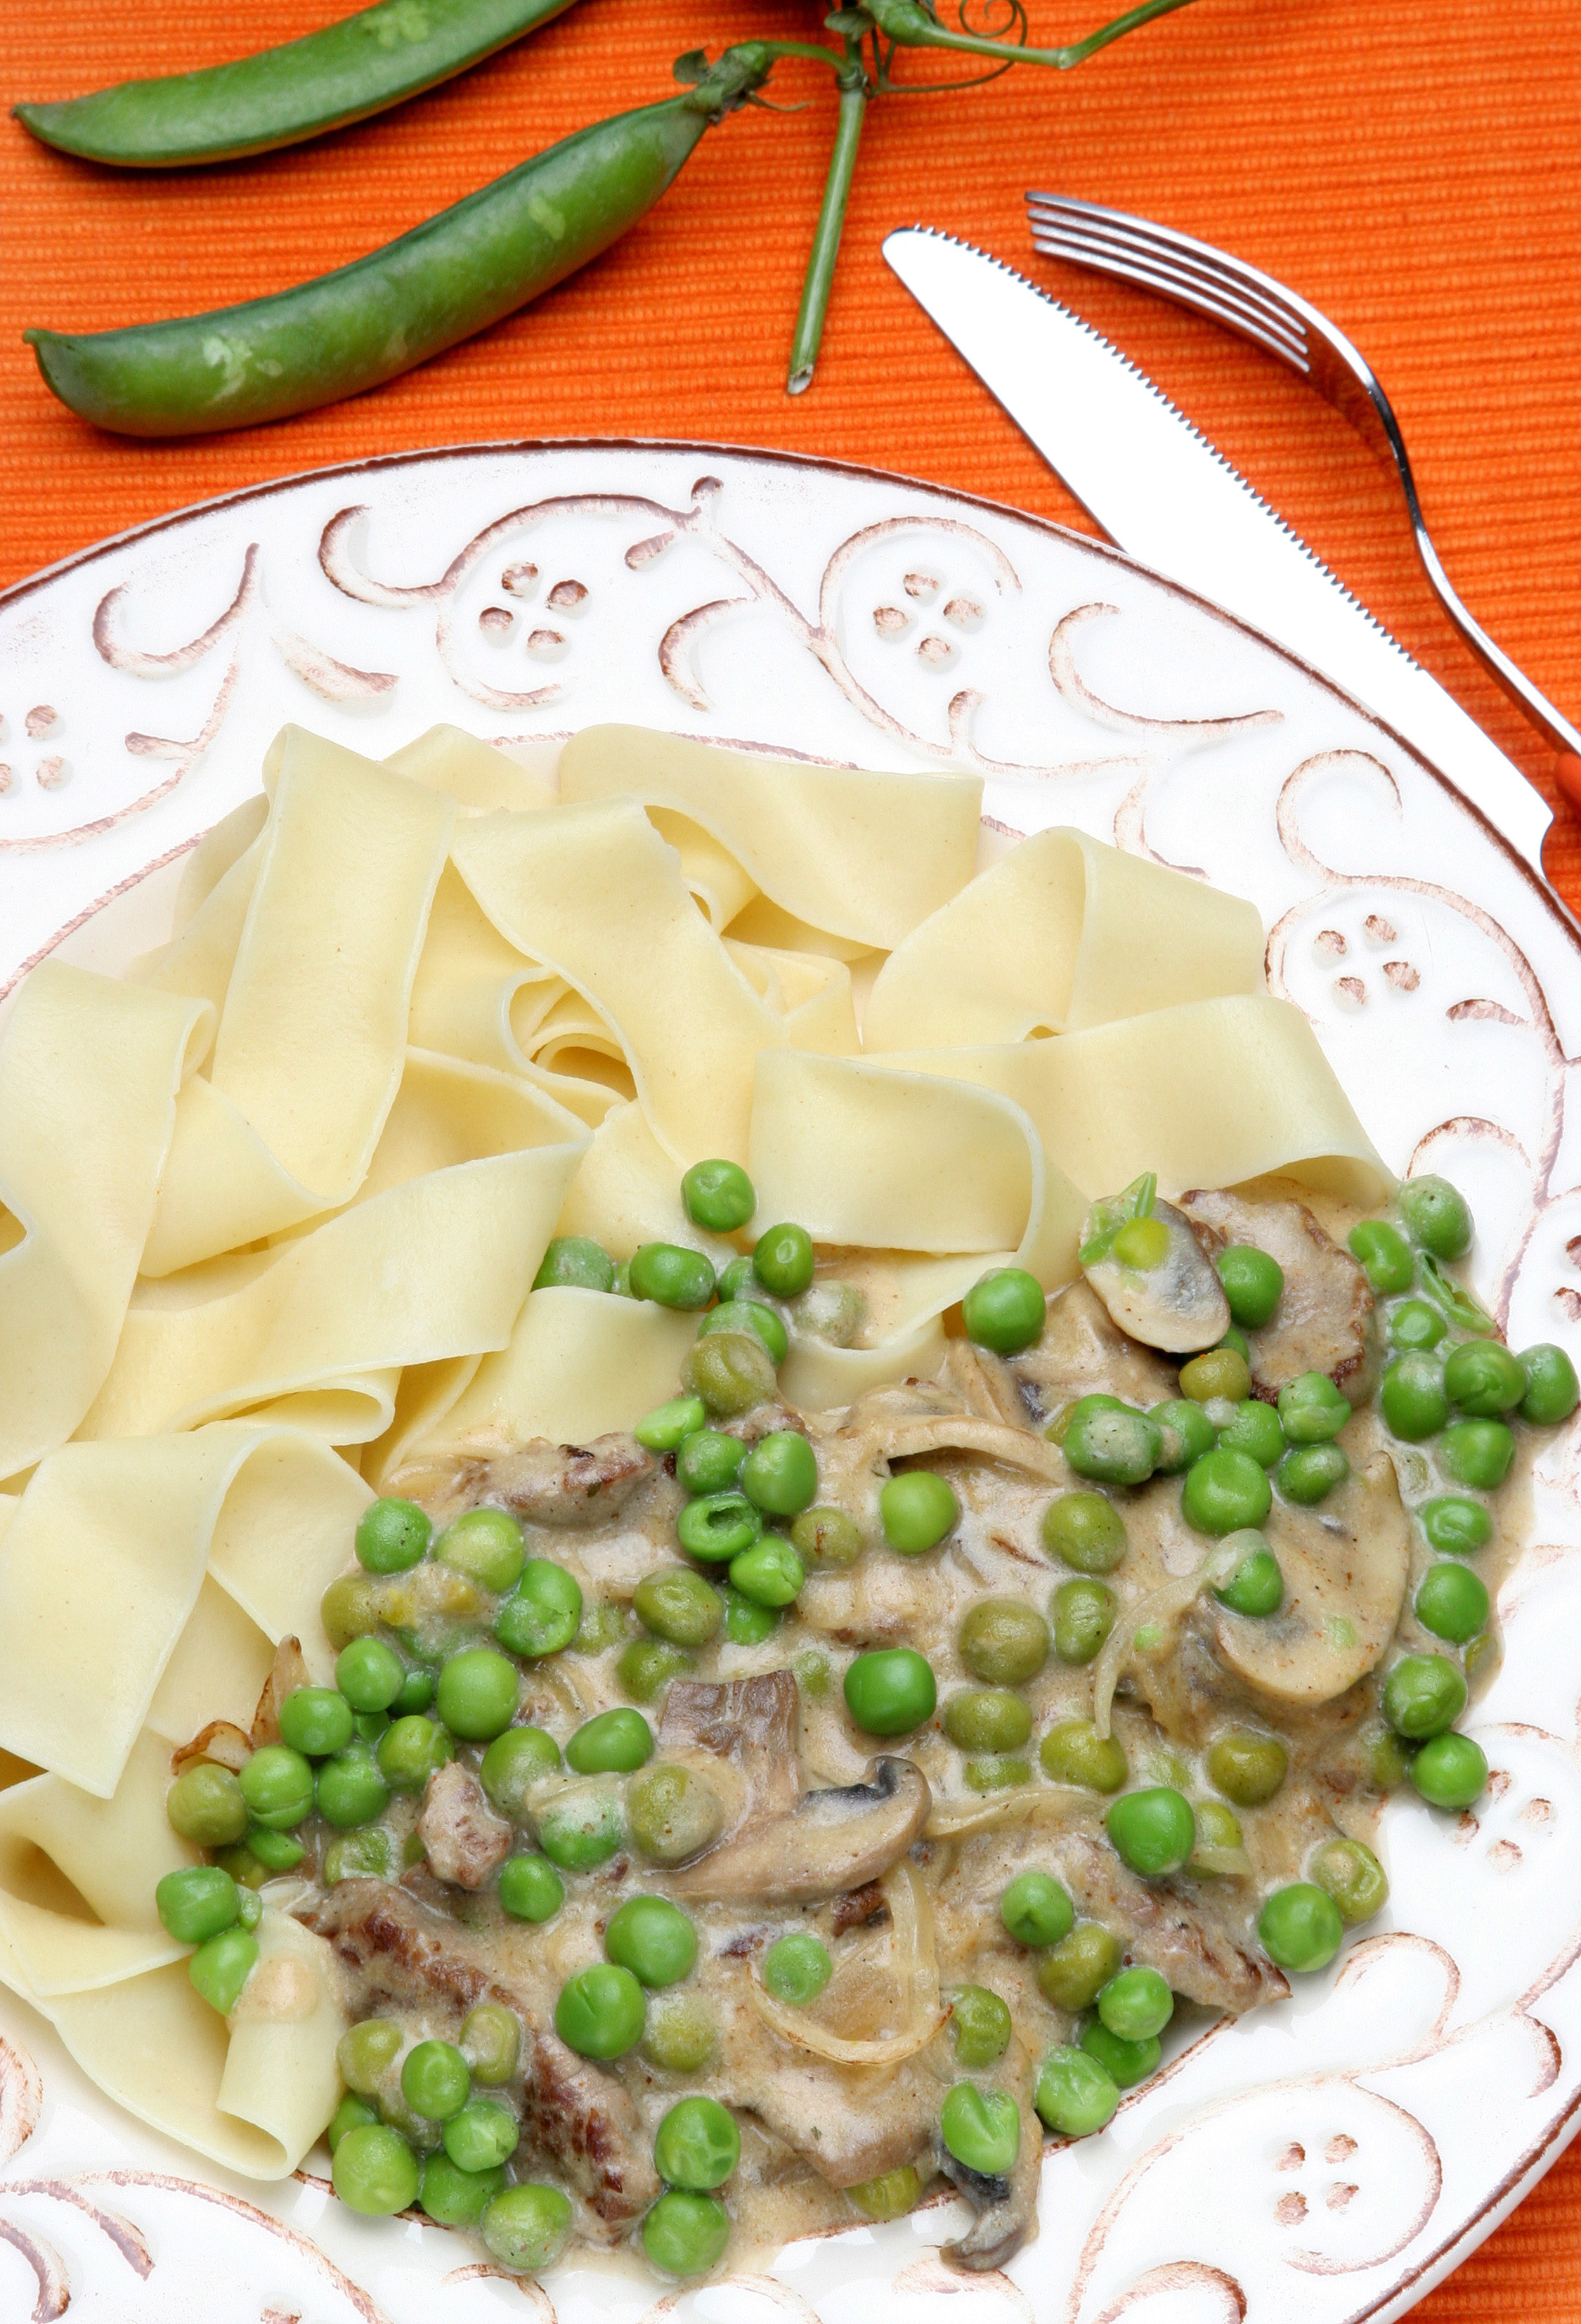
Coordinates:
[865,856]
[593,892]
[1061,934]
[90,1073]
[477,775]
[579,1364]
[103,1560]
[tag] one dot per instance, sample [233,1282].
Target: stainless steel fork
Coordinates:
[1254,306]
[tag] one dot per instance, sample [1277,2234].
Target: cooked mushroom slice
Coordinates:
[539,1482]
[829,1841]
[749,1723]
[1193,1933]
[1345,1571]
[1324,1321]
[1006,2207]
[1171,1299]
[1082,1351]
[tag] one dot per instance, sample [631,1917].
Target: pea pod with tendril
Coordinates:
[345,72]
[369,322]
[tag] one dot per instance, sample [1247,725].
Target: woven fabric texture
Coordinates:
[1410,168]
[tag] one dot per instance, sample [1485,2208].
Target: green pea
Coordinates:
[351,2114]
[197,1903]
[669,1426]
[916,1510]
[1216,1828]
[219,1968]
[826,1537]
[1216,1372]
[277,1783]
[1422,1695]
[681,2035]
[486,1544]
[981,2129]
[513,1763]
[1309,1472]
[1385,1254]
[1253,1285]
[998,1774]
[718,1196]
[1301,1928]
[697,2145]
[979,2026]
[1152,1831]
[672,1275]
[366,2054]
[1085,1531]
[678,1605]
[1112,1447]
[316,1720]
[782,1260]
[684,2233]
[673,1814]
[709,1461]
[891,2195]
[1483,1378]
[1452,1603]
[436,2080]
[1437,1216]
[392,1536]
[352,1790]
[575,1261]
[1186,1431]
[769,1575]
[1416,1326]
[476,1694]
[1083,1616]
[988,1718]
[797,1967]
[615,1742]
[1057,1429]
[812,1673]
[491,2042]
[779,1475]
[1226,1492]
[277,1851]
[1413,1397]
[1135,2003]
[750,1315]
[648,1664]
[620,1281]
[600,2011]
[1076,2094]
[368,1674]
[368,1726]
[1005,1310]
[890,1690]
[1240,1343]
[1247,1767]
[1124,2063]
[206,1805]
[1454,1527]
[1255,1430]
[526,2227]
[653,1938]
[1352,1875]
[1450,1771]
[1074,1973]
[1035,1910]
[455,2198]
[1485,1651]
[1002,1641]
[417,1693]
[1074,1752]
[718,1527]
[1257,1586]
[1311,1408]
[737,1280]
[370,1854]
[1553,1390]
[482,2137]
[348,1609]
[729,1371]
[1478,1452]
[409,1751]
[543,1613]
[531,1889]
[376,2171]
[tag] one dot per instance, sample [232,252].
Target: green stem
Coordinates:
[820,276]
[911,25]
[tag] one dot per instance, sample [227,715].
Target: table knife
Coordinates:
[1162,492]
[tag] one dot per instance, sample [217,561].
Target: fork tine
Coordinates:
[1220,308]
[1172,256]
[1176,274]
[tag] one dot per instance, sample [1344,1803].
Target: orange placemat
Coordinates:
[1411,166]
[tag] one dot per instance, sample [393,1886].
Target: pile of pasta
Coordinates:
[274,1204]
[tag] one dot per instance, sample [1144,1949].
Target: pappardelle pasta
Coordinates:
[644,1575]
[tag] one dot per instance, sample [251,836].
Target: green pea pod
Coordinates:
[367,62]
[383,315]
[1463,1310]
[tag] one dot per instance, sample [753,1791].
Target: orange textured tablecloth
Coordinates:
[1411,167]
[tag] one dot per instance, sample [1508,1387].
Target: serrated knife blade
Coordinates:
[1163,494]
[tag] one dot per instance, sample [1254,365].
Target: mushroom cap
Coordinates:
[1325,1320]
[829,1841]
[1179,1305]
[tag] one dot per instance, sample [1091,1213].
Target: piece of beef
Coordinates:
[464,1838]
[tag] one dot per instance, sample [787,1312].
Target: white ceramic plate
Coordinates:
[1317,2163]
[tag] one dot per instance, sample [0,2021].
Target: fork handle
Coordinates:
[1528,697]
